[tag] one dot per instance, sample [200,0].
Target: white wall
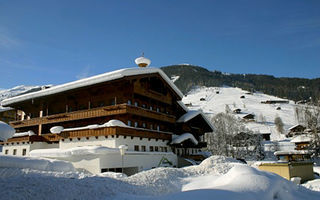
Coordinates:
[94,163]
[91,141]
[29,146]
[114,142]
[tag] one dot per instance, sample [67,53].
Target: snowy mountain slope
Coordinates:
[18,90]
[213,100]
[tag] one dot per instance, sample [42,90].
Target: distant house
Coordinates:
[217,92]
[301,141]
[237,111]
[202,99]
[291,164]
[275,101]
[296,130]
[248,117]
[265,135]
[278,108]
[242,97]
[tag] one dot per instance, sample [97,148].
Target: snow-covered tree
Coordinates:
[232,138]
[309,116]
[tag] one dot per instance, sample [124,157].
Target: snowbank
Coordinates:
[6,131]
[215,178]
[35,163]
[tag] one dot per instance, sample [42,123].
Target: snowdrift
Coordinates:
[215,178]
[35,163]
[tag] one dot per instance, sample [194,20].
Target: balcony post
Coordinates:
[40,125]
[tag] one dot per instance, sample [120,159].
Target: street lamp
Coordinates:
[123,149]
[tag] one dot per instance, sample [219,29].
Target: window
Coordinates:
[144,106]
[129,102]
[161,149]
[165,149]
[6,151]
[158,110]
[151,148]
[136,147]
[144,125]
[150,107]
[14,151]
[136,124]
[136,104]
[129,123]
[156,149]
[24,152]
[151,126]
[143,148]
[158,128]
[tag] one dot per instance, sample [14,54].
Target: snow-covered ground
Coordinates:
[215,178]
[215,100]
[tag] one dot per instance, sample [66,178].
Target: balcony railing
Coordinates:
[105,131]
[95,112]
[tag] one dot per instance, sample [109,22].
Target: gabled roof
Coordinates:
[192,114]
[295,126]
[109,76]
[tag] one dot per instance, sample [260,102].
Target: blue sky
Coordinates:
[53,42]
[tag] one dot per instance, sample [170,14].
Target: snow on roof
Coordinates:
[301,138]
[27,133]
[192,114]
[292,127]
[6,131]
[293,152]
[184,137]
[84,150]
[91,81]
[3,109]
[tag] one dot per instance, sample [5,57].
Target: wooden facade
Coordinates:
[146,103]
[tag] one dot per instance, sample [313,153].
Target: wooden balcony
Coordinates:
[95,112]
[105,131]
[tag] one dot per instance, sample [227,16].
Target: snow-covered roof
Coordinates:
[292,127]
[293,152]
[192,114]
[301,138]
[184,137]
[109,76]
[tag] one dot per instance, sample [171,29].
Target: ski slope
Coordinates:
[215,99]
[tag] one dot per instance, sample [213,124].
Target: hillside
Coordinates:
[213,100]
[292,88]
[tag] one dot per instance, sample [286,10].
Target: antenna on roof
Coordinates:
[142,61]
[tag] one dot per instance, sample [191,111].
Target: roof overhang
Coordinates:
[109,76]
